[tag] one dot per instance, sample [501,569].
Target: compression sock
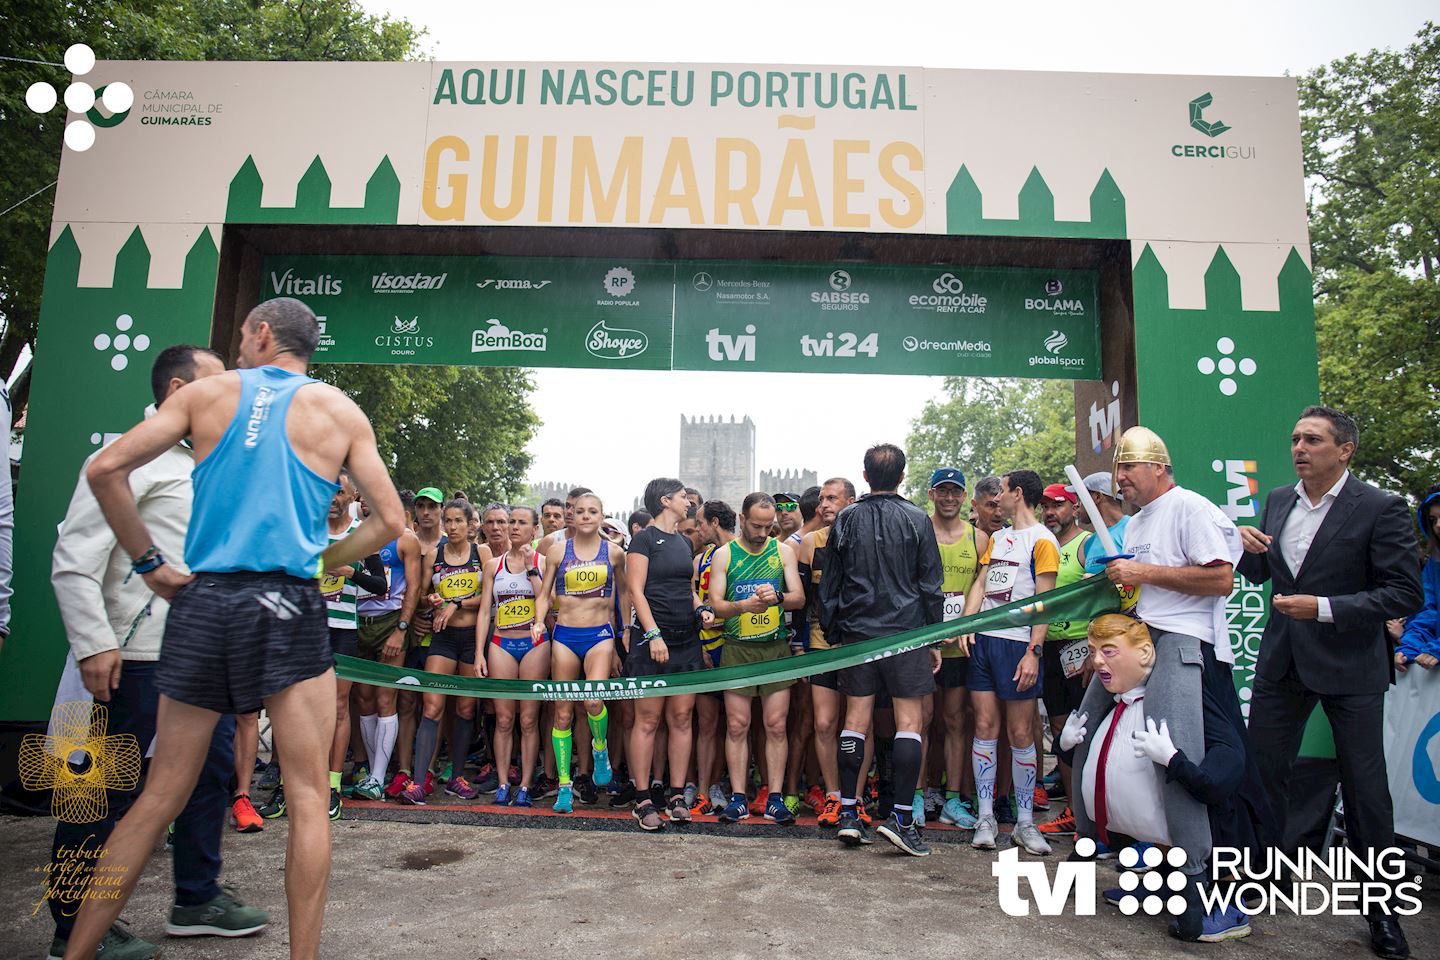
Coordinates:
[1022,774]
[425,736]
[561,740]
[462,731]
[982,758]
[387,730]
[334,779]
[599,727]
[367,733]
[905,773]
[851,755]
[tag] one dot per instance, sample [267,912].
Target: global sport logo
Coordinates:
[722,347]
[1056,342]
[1073,891]
[1241,489]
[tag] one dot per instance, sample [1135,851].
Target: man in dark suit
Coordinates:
[1341,556]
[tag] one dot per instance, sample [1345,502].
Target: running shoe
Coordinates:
[692,794]
[447,772]
[619,799]
[369,789]
[863,814]
[1228,924]
[503,795]
[430,782]
[1061,826]
[762,798]
[648,817]
[677,810]
[603,773]
[1141,867]
[1005,810]
[335,804]
[170,837]
[906,836]
[1028,838]
[777,809]
[986,830]
[117,944]
[917,809]
[564,799]
[513,778]
[462,788]
[1042,799]
[270,778]
[522,798]
[1054,787]
[815,799]
[544,787]
[488,781]
[735,810]
[358,774]
[225,916]
[243,816]
[792,803]
[830,813]
[853,831]
[957,813]
[397,785]
[1114,896]
[701,808]
[413,794]
[274,808]
[718,798]
[585,789]
[657,793]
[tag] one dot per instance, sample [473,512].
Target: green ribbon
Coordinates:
[1083,600]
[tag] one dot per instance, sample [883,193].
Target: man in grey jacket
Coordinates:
[115,624]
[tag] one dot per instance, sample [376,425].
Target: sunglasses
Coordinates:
[787,505]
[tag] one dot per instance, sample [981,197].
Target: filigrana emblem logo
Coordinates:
[78,761]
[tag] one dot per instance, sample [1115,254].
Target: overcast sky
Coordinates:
[1221,37]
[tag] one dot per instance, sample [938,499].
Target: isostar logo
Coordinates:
[497,283]
[406,282]
[839,296]
[1240,494]
[948,296]
[721,347]
[841,345]
[500,337]
[615,343]
[404,337]
[288,284]
[1055,302]
[1211,128]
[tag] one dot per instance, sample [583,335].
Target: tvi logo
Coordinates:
[722,346]
[1075,883]
[1240,494]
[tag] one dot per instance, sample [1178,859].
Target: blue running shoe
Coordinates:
[957,814]
[1114,895]
[737,809]
[602,767]
[563,799]
[522,798]
[502,796]
[1231,924]
[776,809]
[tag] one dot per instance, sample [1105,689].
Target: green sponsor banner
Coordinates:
[897,319]
[723,315]
[486,311]
[1078,601]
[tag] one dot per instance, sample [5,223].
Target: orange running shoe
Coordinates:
[830,813]
[243,816]
[815,799]
[1042,799]
[862,813]
[762,797]
[1063,825]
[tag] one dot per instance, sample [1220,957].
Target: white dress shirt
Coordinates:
[1300,529]
[1132,784]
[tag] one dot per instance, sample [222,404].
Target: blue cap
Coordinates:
[947,475]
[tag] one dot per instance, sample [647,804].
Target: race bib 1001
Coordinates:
[583,580]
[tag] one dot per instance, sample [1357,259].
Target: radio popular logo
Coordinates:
[497,336]
[615,343]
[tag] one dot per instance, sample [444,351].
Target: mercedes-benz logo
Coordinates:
[702,281]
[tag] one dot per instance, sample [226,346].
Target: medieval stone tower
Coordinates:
[717,457]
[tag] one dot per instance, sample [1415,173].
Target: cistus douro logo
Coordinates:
[1227,366]
[81,97]
[406,282]
[1242,487]
[497,336]
[404,338]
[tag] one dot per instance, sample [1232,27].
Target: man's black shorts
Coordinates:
[234,639]
[903,675]
[345,643]
[954,672]
[1061,694]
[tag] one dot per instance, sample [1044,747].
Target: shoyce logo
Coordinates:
[406,282]
[615,343]
[491,283]
[722,346]
[849,345]
[499,337]
[289,285]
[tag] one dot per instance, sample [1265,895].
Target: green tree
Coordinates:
[137,30]
[1371,132]
[991,426]
[458,428]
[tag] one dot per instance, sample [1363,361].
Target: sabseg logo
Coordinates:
[406,282]
[949,296]
[615,343]
[839,296]
[497,336]
[287,284]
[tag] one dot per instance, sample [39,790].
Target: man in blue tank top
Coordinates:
[248,627]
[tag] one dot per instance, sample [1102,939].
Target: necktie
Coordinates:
[1102,813]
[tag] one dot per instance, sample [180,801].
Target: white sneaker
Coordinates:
[986,829]
[1028,836]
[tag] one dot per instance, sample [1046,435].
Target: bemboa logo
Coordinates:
[497,336]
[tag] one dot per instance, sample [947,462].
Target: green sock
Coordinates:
[334,779]
[599,727]
[561,740]
[952,794]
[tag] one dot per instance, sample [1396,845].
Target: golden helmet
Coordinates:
[1141,445]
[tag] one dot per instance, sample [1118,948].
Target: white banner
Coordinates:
[1412,753]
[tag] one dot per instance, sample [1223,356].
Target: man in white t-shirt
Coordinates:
[1184,551]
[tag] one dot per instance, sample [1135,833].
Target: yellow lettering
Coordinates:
[546,211]
[519,162]
[678,160]
[585,174]
[742,196]
[796,162]
[456,182]
[889,209]
[844,184]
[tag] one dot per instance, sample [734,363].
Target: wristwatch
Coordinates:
[1037,649]
[403,626]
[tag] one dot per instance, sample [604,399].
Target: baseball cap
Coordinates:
[430,493]
[947,475]
[1058,491]
[792,497]
[1100,482]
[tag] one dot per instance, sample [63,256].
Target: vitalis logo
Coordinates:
[493,283]
[500,337]
[287,284]
[406,283]
[615,343]
[1240,496]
